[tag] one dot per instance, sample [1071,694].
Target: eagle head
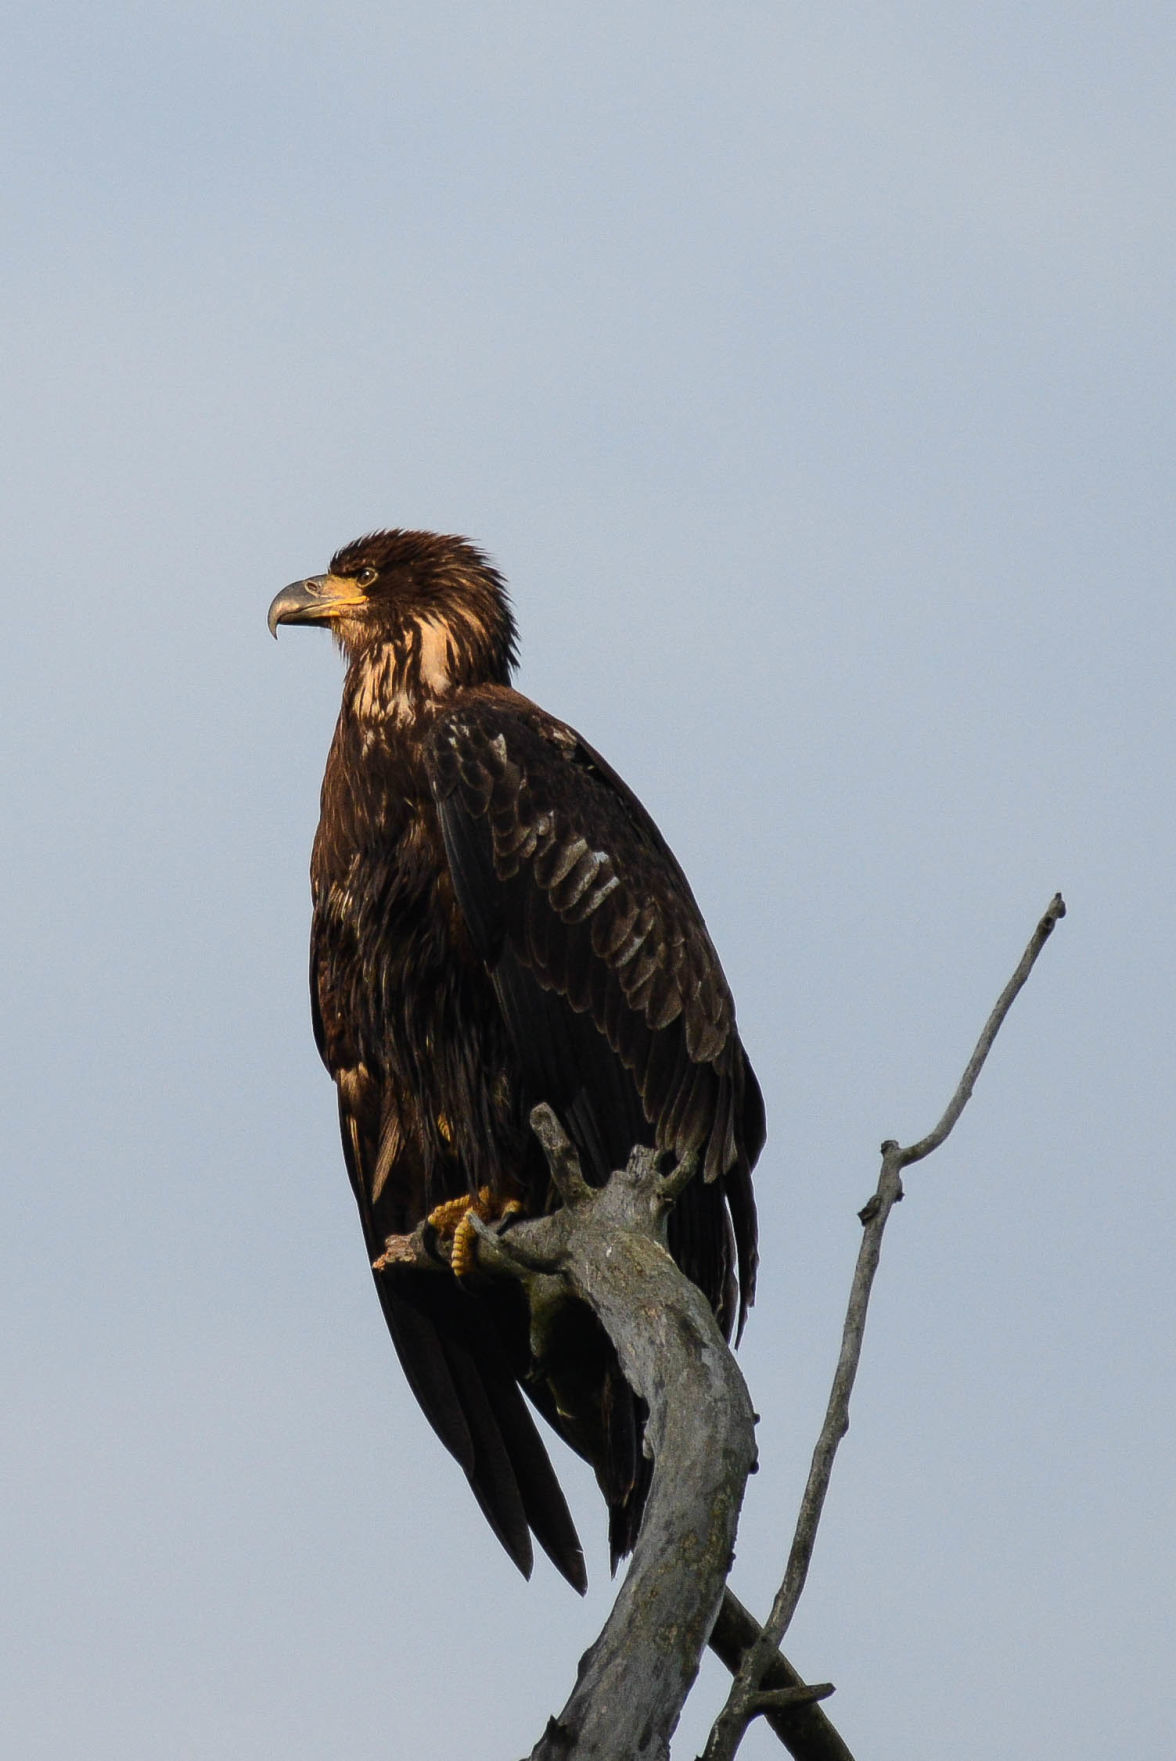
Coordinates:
[432,599]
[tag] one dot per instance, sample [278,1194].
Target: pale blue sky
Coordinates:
[808,370]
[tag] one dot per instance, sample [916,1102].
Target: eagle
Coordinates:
[498,922]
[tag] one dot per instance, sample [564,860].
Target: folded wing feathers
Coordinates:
[638,964]
[610,932]
[566,857]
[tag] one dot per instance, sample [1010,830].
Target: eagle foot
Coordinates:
[454,1218]
[446,1217]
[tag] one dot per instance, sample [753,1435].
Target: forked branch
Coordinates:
[605,1246]
[699,1470]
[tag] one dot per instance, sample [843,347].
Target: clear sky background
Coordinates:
[808,370]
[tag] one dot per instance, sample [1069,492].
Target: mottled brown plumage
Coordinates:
[497,921]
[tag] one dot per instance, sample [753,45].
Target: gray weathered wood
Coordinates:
[804,1730]
[598,1247]
[607,1244]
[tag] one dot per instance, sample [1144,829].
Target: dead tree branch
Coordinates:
[802,1728]
[608,1243]
[608,1251]
[746,1697]
[606,1247]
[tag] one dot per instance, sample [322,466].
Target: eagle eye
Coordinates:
[365,577]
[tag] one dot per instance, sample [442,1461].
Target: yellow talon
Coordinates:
[464,1244]
[446,1217]
[454,1217]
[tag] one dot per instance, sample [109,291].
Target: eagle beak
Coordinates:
[317,600]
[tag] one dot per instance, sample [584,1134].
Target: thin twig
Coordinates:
[805,1731]
[786,1699]
[1055,911]
[801,1726]
[741,1705]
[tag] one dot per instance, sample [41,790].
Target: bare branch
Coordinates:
[1055,911]
[562,1159]
[531,1251]
[673,1183]
[804,1730]
[742,1703]
[700,1431]
[785,1699]
[606,1246]
[411,1250]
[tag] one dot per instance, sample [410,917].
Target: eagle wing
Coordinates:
[612,993]
[464,1354]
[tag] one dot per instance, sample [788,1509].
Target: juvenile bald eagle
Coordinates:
[498,922]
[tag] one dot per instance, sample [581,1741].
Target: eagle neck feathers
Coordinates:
[413,672]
